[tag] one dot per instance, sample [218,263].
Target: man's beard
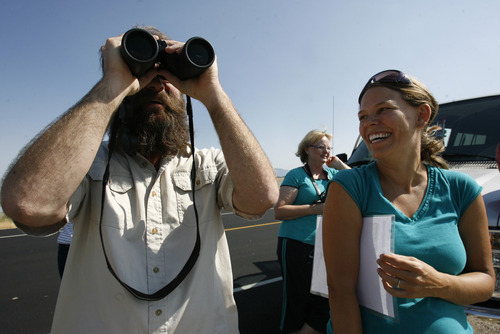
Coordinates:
[159,132]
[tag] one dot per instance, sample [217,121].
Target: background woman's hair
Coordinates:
[311,137]
[416,95]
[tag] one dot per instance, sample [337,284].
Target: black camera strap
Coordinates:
[167,289]
[307,169]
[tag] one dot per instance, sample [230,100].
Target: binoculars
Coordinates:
[141,51]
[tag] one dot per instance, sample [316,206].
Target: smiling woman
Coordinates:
[441,256]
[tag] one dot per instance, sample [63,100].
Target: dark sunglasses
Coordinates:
[387,76]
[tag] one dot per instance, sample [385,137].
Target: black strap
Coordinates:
[163,292]
[309,173]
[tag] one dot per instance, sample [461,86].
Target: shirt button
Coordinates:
[198,182]
[155,230]
[153,194]
[156,270]
[158,312]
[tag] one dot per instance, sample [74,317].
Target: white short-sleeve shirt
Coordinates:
[149,231]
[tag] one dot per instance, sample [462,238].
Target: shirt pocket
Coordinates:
[205,192]
[119,200]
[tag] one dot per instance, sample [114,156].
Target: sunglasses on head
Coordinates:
[388,76]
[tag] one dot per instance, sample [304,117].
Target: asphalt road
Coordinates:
[29,281]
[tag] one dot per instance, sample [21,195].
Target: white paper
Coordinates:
[318,282]
[376,239]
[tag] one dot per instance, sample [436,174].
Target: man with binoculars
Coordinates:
[149,252]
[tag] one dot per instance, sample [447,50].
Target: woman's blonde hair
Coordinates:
[417,94]
[311,137]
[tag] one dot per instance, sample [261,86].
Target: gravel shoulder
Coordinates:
[482,325]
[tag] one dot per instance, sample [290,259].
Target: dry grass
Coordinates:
[5,222]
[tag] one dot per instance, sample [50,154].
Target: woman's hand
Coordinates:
[334,162]
[408,277]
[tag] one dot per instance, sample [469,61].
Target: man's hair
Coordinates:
[154,31]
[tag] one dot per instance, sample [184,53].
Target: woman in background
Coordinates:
[301,199]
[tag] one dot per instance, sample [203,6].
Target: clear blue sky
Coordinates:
[289,66]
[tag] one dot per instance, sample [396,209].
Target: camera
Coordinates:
[322,198]
[140,51]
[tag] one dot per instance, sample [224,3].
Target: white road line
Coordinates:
[257,284]
[13,236]
[239,289]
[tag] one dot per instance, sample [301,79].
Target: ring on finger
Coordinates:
[397,285]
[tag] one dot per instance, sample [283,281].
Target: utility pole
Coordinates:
[333,123]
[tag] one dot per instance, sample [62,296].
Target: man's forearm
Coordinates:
[256,188]
[37,188]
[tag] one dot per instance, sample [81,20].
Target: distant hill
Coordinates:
[280,172]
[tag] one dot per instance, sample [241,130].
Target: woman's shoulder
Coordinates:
[452,175]
[294,177]
[296,171]
[357,172]
[456,181]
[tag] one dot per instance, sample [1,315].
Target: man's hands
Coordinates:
[204,88]
[120,81]
[116,75]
